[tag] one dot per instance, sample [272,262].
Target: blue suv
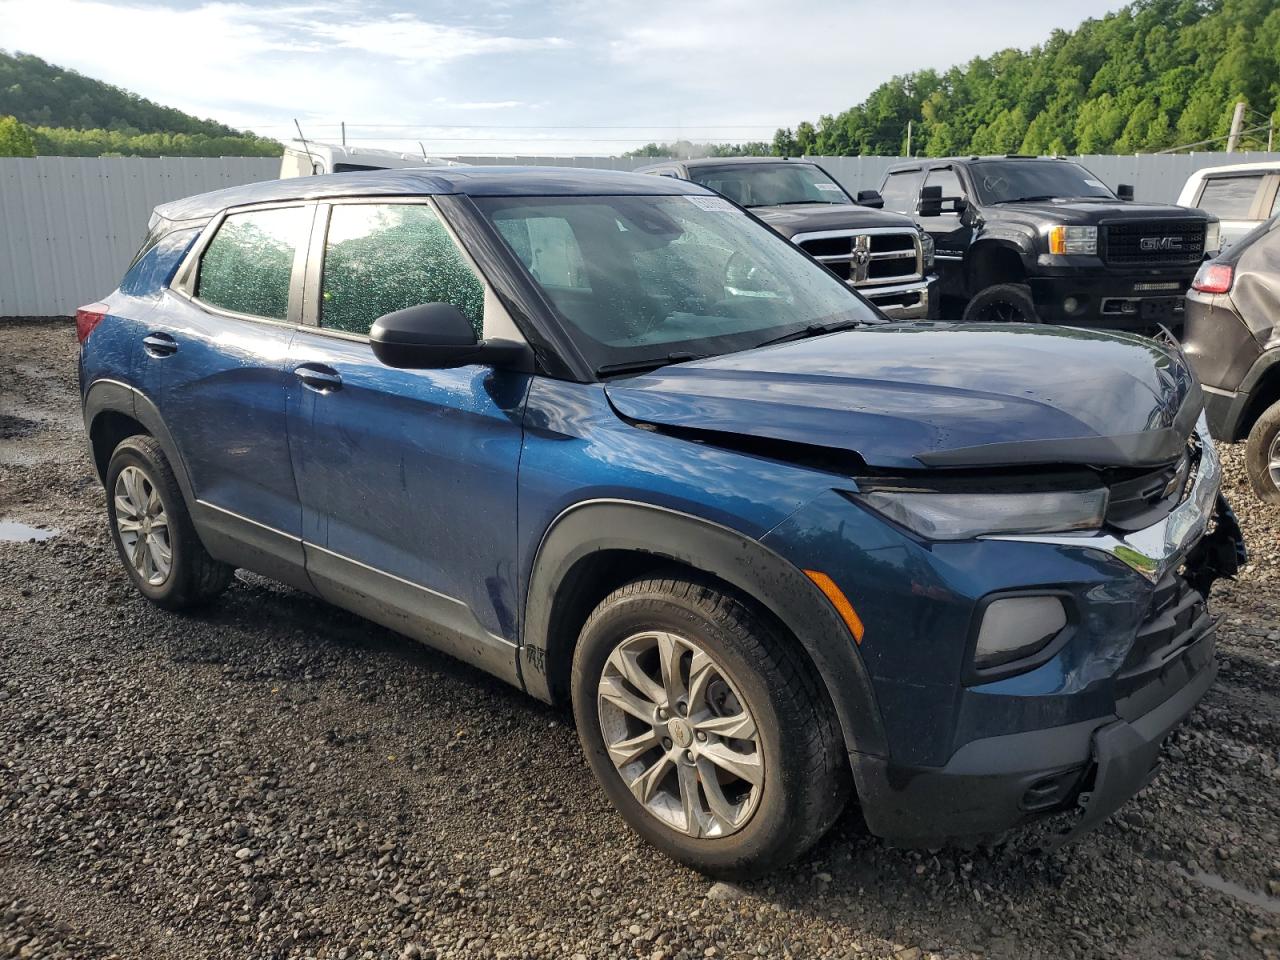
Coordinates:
[608,437]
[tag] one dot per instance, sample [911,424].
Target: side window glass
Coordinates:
[1230,198]
[947,180]
[248,265]
[382,257]
[901,191]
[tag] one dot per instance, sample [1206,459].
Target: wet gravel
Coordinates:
[276,778]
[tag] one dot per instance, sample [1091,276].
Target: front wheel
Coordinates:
[1002,303]
[707,727]
[1262,455]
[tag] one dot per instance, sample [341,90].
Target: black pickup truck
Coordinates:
[1043,239]
[884,256]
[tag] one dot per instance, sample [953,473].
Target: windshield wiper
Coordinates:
[791,203]
[813,330]
[644,366]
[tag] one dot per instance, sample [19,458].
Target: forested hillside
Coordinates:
[67,114]
[1154,75]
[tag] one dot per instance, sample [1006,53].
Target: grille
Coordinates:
[1156,666]
[867,259]
[1138,501]
[1154,242]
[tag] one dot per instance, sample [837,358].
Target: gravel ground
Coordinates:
[276,778]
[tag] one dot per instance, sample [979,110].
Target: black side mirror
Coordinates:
[930,204]
[435,336]
[1125,191]
[870,198]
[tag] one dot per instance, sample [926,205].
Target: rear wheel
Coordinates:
[1262,455]
[706,727]
[152,530]
[1002,303]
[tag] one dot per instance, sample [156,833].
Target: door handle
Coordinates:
[318,377]
[159,345]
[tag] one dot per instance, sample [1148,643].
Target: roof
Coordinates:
[724,162]
[1237,168]
[919,162]
[425,181]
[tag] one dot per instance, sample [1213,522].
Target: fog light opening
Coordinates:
[1014,628]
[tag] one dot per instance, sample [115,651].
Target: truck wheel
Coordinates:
[1003,303]
[1262,455]
[709,731]
[152,530]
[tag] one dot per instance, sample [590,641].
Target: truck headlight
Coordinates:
[927,250]
[1212,237]
[963,516]
[1068,239]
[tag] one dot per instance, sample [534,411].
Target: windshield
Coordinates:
[771,184]
[643,278]
[1003,181]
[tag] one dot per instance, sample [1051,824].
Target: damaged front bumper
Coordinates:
[1092,766]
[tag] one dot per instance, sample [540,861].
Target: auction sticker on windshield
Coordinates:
[712,204]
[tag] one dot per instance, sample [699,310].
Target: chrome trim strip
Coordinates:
[244,519]
[1160,547]
[871,292]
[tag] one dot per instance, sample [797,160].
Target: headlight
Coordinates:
[1065,239]
[963,516]
[927,250]
[1212,236]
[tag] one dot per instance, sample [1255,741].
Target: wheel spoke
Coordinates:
[702,671]
[612,690]
[133,489]
[670,653]
[626,662]
[745,766]
[127,525]
[740,726]
[140,555]
[693,816]
[161,555]
[626,751]
[724,811]
[646,785]
[125,507]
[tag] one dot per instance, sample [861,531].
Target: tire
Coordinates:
[1262,455]
[1002,303]
[748,667]
[191,577]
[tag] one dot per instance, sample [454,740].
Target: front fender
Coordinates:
[599,525]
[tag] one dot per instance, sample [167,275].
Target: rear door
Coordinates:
[407,477]
[214,355]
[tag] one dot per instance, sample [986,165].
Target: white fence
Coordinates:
[70,225]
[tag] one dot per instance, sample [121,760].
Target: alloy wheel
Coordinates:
[680,734]
[1273,461]
[1002,311]
[143,526]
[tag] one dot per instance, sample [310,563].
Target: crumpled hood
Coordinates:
[907,396]
[812,217]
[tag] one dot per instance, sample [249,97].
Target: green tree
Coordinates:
[16,139]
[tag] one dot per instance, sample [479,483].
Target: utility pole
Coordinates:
[344,132]
[908,138]
[1237,122]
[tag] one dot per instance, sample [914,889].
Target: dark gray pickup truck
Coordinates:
[884,256]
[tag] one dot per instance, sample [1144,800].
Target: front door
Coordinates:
[951,230]
[407,477]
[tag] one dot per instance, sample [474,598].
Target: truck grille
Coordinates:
[1154,242]
[866,258]
[1137,500]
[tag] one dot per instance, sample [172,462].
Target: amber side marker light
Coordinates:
[840,602]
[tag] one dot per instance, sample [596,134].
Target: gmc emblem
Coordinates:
[1149,244]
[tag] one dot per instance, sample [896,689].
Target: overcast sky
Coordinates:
[501,76]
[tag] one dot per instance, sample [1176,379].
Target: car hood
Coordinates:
[811,217]
[912,396]
[1088,212]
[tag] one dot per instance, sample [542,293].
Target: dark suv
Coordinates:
[1043,239]
[610,439]
[1233,341]
[884,256]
